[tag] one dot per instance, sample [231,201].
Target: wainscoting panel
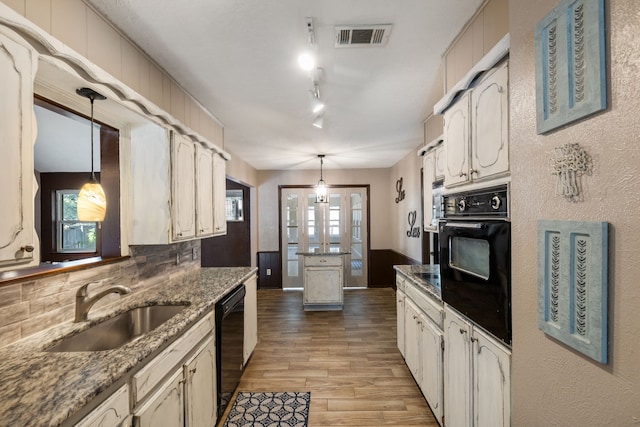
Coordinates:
[269,262]
[381,272]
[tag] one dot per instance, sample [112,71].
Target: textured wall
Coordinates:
[551,383]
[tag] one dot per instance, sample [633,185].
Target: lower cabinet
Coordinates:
[477,380]
[420,317]
[165,406]
[250,316]
[112,412]
[323,282]
[400,302]
[200,386]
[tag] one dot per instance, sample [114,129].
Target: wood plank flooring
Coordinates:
[348,360]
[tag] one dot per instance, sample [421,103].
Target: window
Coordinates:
[234,205]
[73,235]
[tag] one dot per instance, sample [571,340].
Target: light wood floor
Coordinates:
[348,360]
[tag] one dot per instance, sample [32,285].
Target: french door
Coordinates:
[339,224]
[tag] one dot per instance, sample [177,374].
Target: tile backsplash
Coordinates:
[33,305]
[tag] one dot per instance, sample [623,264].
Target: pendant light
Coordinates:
[321,188]
[92,202]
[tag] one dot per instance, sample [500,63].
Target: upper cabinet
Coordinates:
[173,187]
[18,244]
[476,131]
[183,187]
[219,195]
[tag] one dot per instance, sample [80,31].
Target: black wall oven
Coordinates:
[475,258]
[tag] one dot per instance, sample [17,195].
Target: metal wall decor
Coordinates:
[569,163]
[413,230]
[572,284]
[400,191]
[570,63]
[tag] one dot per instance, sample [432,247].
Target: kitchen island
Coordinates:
[323,280]
[56,388]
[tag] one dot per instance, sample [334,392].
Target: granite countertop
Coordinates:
[426,277]
[44,389]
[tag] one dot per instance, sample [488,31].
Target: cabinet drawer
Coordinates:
[112,412]
[433,309]
[148,377]
[320,261]
[400,283]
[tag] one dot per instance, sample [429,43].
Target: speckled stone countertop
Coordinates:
[38,388]
[426,277]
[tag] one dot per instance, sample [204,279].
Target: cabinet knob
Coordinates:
[462,331]
[179,235]
[474,339]
[462,174]
[472,171]
[28,248]
[193,371]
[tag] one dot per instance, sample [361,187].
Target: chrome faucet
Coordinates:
[84,303]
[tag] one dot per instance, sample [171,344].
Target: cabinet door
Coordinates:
[412,322]
[112,412]
[323,285]
[441,162]
[456,140]
[183,188]
[400,307]
[204,191]
[491,382]
[490,127]
[457,370]
[219,195]
[428,176]
[250,317]
[431,372]
[200,387]
[165,407]
[17,237]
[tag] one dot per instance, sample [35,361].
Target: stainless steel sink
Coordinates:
[119,330]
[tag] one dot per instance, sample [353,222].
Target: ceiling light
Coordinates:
[92,202]
[306,62]
[311,36]
[319,121]
[317,106]
[321,188]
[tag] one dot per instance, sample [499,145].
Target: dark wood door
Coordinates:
[234,248]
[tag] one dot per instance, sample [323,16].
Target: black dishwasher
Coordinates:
[229,344]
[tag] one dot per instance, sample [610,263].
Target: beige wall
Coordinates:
[379,200]
[409,170]
[551,383]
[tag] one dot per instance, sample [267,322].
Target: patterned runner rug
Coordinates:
[270,410]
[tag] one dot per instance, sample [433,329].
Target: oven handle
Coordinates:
[474,225]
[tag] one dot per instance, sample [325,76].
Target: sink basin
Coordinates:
[119,330]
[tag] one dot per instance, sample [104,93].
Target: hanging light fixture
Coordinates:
[321,188]
[92,203]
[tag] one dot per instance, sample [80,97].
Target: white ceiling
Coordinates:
[238,58]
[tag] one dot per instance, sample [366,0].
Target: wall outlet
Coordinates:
[268,272]
[177,259]
[194,253]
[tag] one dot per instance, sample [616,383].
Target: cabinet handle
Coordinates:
[472,171]
[193,371]
[28,248]
[474,339]
[462,174]
[462,331]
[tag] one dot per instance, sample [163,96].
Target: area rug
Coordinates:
[288,409]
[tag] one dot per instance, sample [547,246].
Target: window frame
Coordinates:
[60,222]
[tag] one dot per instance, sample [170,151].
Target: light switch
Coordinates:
[268,272]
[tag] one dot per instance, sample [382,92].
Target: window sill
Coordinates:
[51,269]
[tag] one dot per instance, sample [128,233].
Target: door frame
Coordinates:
[367,188]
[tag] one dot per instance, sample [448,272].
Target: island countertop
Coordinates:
[39,388]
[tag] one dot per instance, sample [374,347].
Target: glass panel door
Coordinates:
[339,224]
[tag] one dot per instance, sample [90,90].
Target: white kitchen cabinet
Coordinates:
[323,282]
[477,375]
[433,169]
[165,407]
[490,125]
[219,195]
[18,244]
[183,187]
[200,386]
[113,412]
[400,309]
[423,338]
[204,191]
[476,131]
[250,316]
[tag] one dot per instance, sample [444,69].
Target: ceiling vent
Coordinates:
[362,35]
